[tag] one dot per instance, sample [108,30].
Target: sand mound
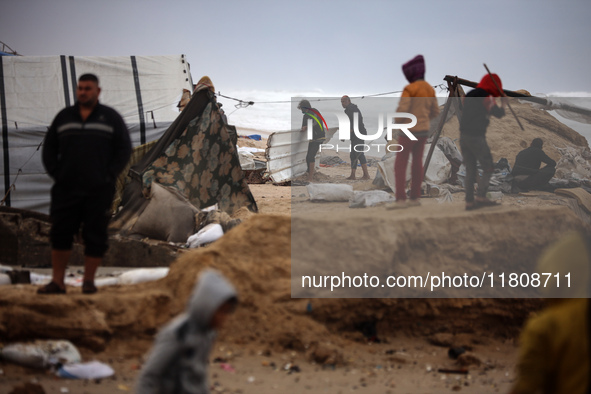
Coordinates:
[256,257]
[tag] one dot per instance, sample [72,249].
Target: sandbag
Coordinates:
[167,217]
[41,354]
[329,192]
[141,275]
[369,198]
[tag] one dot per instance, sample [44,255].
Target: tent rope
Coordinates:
[244,103]
[18,172]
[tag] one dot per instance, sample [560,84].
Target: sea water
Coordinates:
[276,110]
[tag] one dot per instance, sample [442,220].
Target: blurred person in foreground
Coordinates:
[177,363]
[355,156]
[418,98]
[554,354]
[479,105]
[85,149]
[318,133]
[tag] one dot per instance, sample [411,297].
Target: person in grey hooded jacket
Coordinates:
[178,361]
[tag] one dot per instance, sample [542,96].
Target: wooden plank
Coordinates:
[533,99]
[451,86]
[581,195]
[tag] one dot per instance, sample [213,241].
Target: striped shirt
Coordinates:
[86,154]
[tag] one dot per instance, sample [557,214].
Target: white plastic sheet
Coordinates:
[369,198]
[246,160]
[129,277]
[88,370]
[37,87]
[210,233]
[41,354]
[438,171]
[141,275]
[4,279]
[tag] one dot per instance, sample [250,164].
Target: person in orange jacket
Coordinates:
[418,98]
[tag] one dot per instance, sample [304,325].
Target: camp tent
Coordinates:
[145,90]
[193,166]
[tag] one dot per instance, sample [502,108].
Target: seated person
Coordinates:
[527,172]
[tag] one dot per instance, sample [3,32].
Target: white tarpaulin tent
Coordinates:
[145,90]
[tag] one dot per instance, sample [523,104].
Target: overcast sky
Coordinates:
[330,47]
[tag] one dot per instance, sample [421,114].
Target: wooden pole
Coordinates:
[502,93]
[533,99]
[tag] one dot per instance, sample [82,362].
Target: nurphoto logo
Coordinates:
[345,129]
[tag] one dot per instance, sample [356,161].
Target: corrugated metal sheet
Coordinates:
[286,154]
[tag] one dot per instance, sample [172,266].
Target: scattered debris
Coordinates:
[329,192]
[8,275]
[467,359]
[574,164]
[331,160]
[290,368]
[208,234]
[445,196]
[88,370]
[28,388]
[461,371]
[363,199]
[455,352]
[441,339]
[227,367]
[130,277]
[41,354]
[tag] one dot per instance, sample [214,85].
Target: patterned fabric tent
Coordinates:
[196,157]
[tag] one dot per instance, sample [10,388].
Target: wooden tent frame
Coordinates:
[454,85]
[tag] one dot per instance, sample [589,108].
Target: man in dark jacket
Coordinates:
[85,149]
[527,163]
[355,155]
[479,105]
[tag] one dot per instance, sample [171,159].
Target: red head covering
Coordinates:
[414,69]
[487,84]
